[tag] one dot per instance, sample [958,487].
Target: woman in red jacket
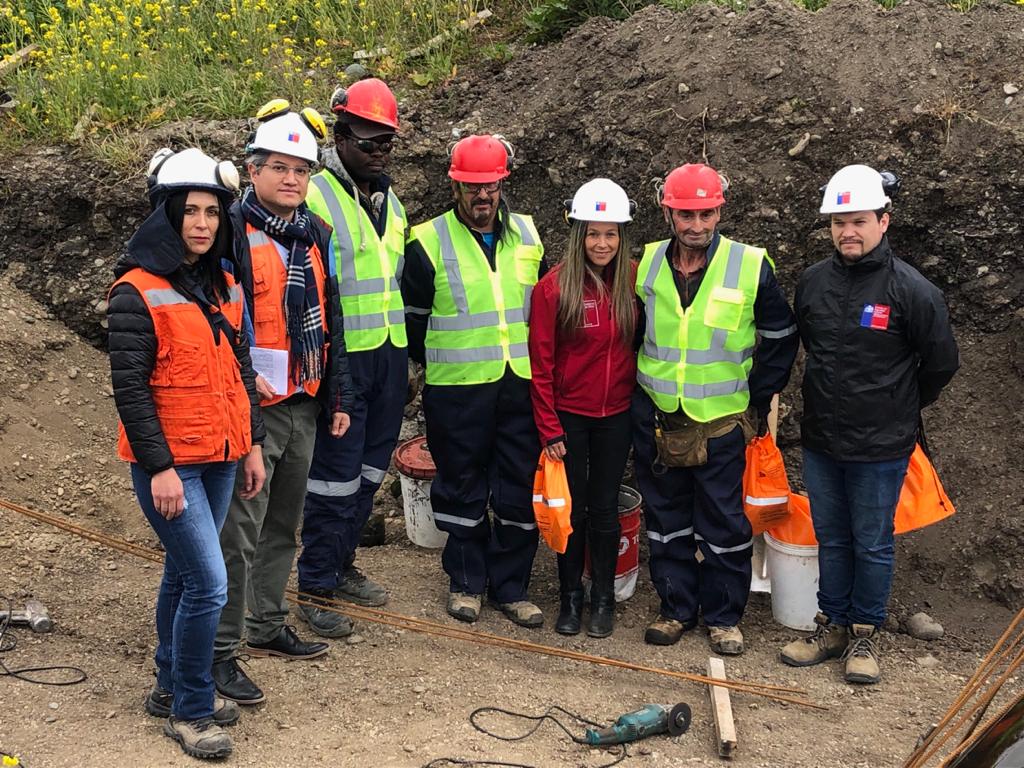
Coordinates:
[582,321]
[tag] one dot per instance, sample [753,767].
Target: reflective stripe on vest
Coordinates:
[478,321]
[369,267]
[196,383]
[699,358]
[268,291]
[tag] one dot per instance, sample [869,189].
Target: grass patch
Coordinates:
[106,63]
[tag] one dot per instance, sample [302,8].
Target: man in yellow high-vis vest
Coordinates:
[467,283]
[719,337]
[354,195]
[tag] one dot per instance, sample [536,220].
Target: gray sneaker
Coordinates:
[326,622]
[199,738]
[358,589]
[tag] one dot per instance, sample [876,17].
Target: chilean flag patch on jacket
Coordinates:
[875,316]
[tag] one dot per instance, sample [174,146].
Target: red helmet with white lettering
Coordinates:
[693,187]
[479,160]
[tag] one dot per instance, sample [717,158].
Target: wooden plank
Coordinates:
[721,707]
[15,60]
[773,417]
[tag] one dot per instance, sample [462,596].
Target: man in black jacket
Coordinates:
[293,321]
[879,349]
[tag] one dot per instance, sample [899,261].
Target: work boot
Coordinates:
[523,612]
[828,642]
[664,631]
[464,606]
[727,641]
[322,618]
[570,613]
[159,703]
[287,645]
[861,655]
[233,684]
[199,738]
[570,573]
[604,554]
[356,588]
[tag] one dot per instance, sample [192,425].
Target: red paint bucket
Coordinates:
[627,567]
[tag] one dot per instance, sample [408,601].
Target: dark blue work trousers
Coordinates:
[484,444]
[347,471]
[691,507]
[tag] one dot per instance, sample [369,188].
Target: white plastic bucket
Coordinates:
[416,467]
[794,578]
[419,515]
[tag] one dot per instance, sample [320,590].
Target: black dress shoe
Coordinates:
[288,646]
[568,622]
[602,615]
[233,684]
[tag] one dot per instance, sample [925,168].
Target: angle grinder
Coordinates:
[649,720]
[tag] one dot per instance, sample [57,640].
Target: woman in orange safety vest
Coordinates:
[185,393]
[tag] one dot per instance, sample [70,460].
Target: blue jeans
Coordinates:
[194,586]
[853,505]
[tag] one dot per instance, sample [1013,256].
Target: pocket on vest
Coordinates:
[725,308]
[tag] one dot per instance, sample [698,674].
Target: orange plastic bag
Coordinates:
[552,504]
[923,500]
[797,528]
[765,485]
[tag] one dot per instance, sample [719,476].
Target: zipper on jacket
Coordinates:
[841,353]
[607,362]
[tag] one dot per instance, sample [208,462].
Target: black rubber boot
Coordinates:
[570,571]
[571,613]
[604,554]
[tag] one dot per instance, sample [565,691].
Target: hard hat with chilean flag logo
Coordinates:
[480,160]
[693,187]
[369,99]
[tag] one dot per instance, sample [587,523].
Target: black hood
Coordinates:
[155,246]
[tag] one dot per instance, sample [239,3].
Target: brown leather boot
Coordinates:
[828,642]
[862,656]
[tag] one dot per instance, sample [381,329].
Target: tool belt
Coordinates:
[683,442]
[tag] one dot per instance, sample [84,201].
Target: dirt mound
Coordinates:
[778,98]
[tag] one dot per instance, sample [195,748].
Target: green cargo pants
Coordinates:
[258,538]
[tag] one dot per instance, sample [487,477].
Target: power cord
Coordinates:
[538,721]
[8,642]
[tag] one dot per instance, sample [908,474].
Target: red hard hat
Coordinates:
[479,160]
[693,187]
[370,99]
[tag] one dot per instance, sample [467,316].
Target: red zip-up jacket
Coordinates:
[591,373]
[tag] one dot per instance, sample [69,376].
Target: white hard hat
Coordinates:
[854,188]
[601,200]
[288,134]
[190,169]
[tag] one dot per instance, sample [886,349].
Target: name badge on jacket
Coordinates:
[875,316]
[591,317]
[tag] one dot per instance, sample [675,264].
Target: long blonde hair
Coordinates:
[575,272]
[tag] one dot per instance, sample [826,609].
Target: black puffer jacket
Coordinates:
[338,394]
[157,248]
[879,348]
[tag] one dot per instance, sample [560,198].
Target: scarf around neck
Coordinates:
[303,318]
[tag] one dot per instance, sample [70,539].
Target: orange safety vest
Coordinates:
[268,285]
[196,382]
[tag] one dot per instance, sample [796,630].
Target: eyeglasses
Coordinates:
[489,187]
[369,146]
[280,169]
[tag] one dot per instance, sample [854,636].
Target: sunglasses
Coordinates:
[472,189]
[369,146]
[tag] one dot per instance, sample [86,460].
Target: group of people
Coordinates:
[260,344]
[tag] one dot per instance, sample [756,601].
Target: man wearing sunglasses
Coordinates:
[292,320]
[355,196]
[467,283]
